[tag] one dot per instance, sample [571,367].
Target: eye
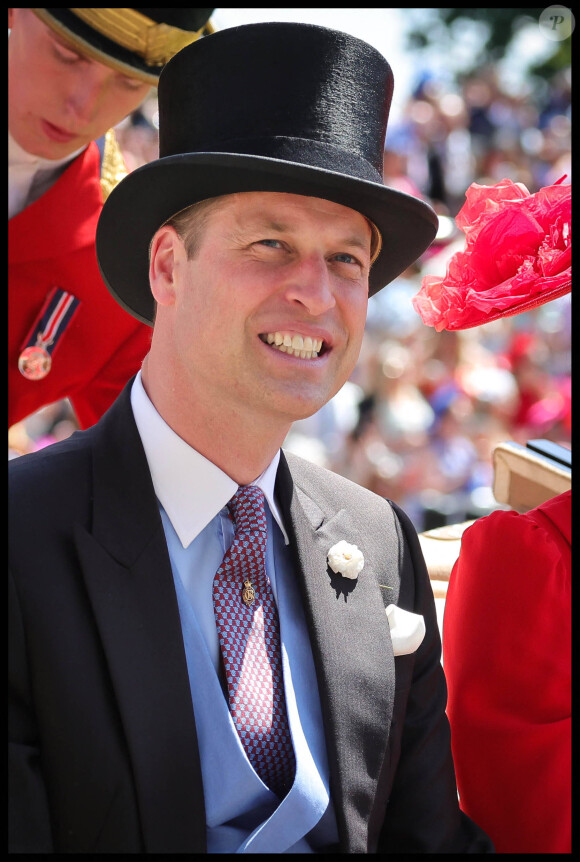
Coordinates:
[270,243]
[350,259]
[131,83]
[64,54]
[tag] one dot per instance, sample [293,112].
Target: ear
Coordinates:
[166,250]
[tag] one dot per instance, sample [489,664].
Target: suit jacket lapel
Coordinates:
[128,576]
[352,652]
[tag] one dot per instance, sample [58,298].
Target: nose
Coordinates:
[87,92]
[309,284]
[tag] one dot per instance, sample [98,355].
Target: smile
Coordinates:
[302,346]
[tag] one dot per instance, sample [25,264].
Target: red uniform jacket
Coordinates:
[52,244]
[507,659]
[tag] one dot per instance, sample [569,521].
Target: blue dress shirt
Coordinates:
[242,813]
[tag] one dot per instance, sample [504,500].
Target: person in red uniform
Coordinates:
[507,621]
[73,74]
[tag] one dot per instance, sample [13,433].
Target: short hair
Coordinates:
[189,223]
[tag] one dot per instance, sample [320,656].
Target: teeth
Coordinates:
[303,354]
[305,347]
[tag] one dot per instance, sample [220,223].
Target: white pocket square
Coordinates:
[407,630]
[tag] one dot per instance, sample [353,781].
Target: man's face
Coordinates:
[271,268]
[58,99]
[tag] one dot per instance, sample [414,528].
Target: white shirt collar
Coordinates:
[23,167]
[191,489]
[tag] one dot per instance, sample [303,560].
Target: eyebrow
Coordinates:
[270,224]
[357,242]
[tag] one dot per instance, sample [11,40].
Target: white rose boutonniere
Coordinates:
[346,560]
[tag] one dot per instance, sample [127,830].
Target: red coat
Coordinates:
[52,244]
[507,659]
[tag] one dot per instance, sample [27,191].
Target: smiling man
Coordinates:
[299,269]
[73,74]
[217,646]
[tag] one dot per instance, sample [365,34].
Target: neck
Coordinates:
[241,443]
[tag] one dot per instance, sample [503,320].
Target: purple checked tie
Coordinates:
[248,630]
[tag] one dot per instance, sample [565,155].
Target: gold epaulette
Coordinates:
[113,167]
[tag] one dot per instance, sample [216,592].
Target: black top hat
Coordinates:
[275,107]
[137,42]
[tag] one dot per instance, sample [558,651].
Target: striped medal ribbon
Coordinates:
[35,360]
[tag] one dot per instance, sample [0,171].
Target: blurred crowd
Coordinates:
[480,133]
[420,417]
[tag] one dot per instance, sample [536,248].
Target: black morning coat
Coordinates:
[103,751]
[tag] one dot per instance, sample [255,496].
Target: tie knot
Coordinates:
[248,510]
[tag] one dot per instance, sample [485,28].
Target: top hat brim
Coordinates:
[152,194]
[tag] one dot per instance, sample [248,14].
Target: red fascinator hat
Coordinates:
[517,255]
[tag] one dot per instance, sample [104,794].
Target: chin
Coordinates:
[303,409]
[56,151]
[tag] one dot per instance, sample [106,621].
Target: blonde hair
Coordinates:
[189,223]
